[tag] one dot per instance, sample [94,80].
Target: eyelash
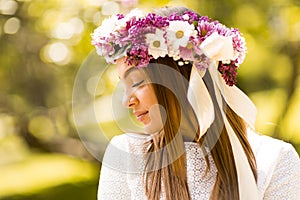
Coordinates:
[137,84]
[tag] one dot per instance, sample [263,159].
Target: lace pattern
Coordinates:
[123,164]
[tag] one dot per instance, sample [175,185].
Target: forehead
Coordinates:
[122,67]
[125,70]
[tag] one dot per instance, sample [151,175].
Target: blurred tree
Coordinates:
[27,82]
[43,44]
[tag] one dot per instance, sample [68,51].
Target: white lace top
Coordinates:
[278,167]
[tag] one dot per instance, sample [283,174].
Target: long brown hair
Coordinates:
[165,171]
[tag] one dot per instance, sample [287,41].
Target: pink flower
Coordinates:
[188,37]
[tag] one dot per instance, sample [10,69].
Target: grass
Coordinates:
[50,176]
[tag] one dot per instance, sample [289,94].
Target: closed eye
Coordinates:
[137,84]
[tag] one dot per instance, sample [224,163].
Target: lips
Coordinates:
[140,115]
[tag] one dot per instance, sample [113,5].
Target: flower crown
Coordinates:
[187,37]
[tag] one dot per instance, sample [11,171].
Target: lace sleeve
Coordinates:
[285,181]
[113,180]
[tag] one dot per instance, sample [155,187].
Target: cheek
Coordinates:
[156,120]
[146,96]
[151,98]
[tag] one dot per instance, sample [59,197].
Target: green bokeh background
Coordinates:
[43,44]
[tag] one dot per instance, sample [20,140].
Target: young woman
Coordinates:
[179,70]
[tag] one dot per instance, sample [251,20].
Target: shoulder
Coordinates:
[278,165]
[129,141]
[268,149]
[262,144]
[124,151]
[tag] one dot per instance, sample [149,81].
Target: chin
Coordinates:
[153,127]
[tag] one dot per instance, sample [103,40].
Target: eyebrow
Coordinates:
[128,71]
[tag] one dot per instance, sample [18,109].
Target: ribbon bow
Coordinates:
[220,48]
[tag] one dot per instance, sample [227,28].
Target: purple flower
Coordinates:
[205,27]
[239,45]
[120,16]
[186,53]
[192,16]
[129,36]
[229,72]
[175,17]
[138,56]
[192,52]
[201,61]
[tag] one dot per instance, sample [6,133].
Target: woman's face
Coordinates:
[139,95]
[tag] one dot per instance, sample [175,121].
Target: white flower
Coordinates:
[178,34]
[185,17]
[134,13]
[113,23]
[157,44]
[108,26]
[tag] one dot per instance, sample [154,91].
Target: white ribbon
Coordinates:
[237,100]
[247,185]
[200,100]
[219,48]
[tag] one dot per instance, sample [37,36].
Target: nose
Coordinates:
[130,101]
